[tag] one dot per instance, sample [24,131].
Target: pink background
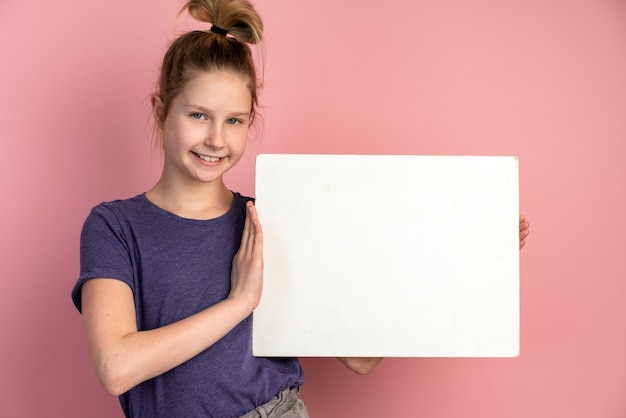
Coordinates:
[543,80]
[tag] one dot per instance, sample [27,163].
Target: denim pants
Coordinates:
[287,404]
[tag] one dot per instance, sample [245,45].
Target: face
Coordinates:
[206,129]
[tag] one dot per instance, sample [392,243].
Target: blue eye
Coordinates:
[197,115]
[233,121]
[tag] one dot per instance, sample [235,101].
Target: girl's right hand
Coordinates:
[246,278]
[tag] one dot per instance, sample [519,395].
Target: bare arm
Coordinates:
[123,357]
[360,365]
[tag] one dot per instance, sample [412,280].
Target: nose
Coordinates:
[214,136]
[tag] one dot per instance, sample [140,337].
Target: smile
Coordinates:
[207,158]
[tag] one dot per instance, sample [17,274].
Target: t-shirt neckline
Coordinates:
[164,212]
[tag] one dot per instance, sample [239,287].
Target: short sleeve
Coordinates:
[104,250]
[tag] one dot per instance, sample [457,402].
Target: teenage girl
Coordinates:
[169,278]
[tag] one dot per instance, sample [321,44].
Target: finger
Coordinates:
[255,227]
[257,249]
[247,230]
[252,212]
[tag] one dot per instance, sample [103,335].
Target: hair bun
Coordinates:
[237,17]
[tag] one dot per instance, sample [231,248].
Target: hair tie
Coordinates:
[218,30]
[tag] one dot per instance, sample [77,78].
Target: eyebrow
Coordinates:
[206,110]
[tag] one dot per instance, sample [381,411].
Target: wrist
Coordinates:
[242,307]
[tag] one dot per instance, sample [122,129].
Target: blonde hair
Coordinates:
[202,51]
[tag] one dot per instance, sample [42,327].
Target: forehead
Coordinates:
[217,88]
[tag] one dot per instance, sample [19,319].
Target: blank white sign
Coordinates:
[394,256]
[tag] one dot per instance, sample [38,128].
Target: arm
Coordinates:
[123,357]
[360,365]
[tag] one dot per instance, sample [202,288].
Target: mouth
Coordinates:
[207,158]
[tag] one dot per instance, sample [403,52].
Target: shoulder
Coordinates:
[241,200]
[239,196]
[237,212]
[121,207]
[116,212]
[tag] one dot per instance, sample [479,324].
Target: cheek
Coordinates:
[177,136]
[173,143]
[169,141]
[243,142]
[239,138]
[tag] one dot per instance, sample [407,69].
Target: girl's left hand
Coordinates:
[523,230]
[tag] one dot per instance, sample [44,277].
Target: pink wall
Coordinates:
[544,80]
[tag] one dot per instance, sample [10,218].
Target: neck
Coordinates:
[193,201]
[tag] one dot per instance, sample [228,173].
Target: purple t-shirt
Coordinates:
[177,267]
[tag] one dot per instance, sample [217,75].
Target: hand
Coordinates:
[246,278]
[523,230]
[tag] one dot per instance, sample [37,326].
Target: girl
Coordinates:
[170,277]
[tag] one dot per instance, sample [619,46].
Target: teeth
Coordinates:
[208,158]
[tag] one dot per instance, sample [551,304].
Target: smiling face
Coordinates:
[206,128]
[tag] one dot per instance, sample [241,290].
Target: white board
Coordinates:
[394,256]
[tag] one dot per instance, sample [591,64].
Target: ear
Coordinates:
[157,108]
